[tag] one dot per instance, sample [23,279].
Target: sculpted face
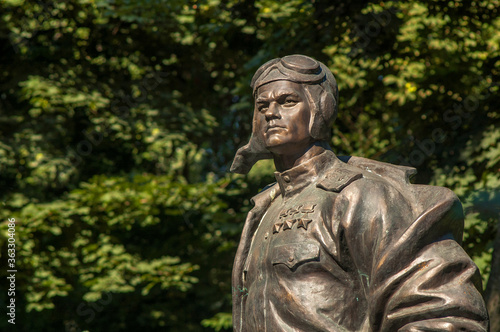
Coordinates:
[283,116]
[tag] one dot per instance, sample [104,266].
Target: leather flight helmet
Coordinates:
[321,88]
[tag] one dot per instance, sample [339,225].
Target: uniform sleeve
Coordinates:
[417,276]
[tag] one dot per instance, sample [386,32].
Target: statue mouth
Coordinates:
[274,127]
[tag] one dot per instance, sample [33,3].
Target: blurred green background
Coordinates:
[119,120]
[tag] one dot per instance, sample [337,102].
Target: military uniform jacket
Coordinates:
[353,246]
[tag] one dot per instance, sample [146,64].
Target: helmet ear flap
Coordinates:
[324,117]
[328,107]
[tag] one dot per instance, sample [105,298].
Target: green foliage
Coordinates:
[478,184]
[119,119]
[220,321]
[98,239]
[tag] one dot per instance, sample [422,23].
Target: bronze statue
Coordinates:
[342,243]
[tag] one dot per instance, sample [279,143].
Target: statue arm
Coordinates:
[419,277]
[437,291]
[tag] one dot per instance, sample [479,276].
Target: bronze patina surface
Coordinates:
[342,243]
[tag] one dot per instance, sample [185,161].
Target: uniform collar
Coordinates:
[297,178]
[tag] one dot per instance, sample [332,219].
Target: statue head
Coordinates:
[310,79]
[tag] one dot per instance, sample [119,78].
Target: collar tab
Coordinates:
[295,179]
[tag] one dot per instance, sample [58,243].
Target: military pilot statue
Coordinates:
[342,244]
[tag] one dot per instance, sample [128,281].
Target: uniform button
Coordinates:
[286,178]
[290,259]
[289,188]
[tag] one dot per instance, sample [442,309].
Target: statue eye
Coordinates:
[262,107]
[290,102]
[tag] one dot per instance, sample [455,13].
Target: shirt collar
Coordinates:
[297,178]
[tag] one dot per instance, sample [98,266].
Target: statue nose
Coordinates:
[273,111]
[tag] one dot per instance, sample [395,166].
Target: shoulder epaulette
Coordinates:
[339,178]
